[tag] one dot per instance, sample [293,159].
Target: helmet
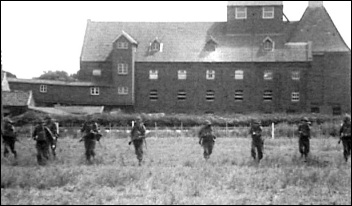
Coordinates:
[305,119]
[139,119]
[347,118]
[207,122]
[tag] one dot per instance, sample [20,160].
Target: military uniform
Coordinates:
[304,137]
[345,134]
[207,139]
[9,138]
[257,141]
[137,138]
[43,136]
[91,135]
[52,126]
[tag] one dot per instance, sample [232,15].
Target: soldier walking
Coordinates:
[345,136]
[138,138]
[257,140]
[207,139]
[52,126]
[90,136]
[9,138]
[304,138]
[43,136]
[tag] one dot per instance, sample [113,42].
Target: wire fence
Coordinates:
[326,130]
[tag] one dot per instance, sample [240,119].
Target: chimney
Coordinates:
[315,4]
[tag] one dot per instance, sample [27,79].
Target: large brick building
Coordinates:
[253,62]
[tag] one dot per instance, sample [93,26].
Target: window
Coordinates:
[296,75]
[268,96]
[268,75]
[210,96]
[239,75]
[181,95]
[315,110]
[43,89]
[336,110]
[122,45]
[153,95]
[238,95]
[295,97]
[268,44]
[241,13]
[182,74]
[122,90]
[153,74]
[122,69]
[155,46]
[210,74]
[268,12]
[97,72]
[94,91]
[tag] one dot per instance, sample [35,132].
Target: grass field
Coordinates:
[174,172]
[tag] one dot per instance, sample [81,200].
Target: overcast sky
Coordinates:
[42,36]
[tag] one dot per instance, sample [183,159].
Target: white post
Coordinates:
[156,129]
[110,129]
[273,131]
[227,129]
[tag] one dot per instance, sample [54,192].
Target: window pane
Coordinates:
[241,13]
[210,96]
[210,74]
[295,97]
[153,95]
[239,75]
[296,75]
[153,74]
[268,96]
[268,12]
[182,95]
[238,95]
[268,75]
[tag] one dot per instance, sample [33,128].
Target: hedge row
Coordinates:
[178,120]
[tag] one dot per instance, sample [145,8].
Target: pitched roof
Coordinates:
[16,98]
[79,110]
[52,82]
[185,42]
[317,26]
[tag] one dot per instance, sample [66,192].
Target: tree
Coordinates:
[57,75]
[10,75]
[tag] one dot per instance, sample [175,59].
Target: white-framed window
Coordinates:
[155,46]
[210,75]
[239,95]
[153,95]
[296,75]
[210,96]
[122,45]
[95,91]
[268,44]
[295,97]
[97,72]
[122,69]
[268,75]
[239,75]
[122,90]
[182,74]
[181,95]
[241,13]
[153,74]
[268,96]
[43,88]
[268,12]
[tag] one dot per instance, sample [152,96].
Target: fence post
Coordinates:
[273,130]
[227,128]
[156,129]
[110,129]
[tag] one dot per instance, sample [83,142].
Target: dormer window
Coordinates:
[241,13]
[268,44]
[268,12]
[156,46]
[122,45]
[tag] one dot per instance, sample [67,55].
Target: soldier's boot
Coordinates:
[15,154]
[254,155]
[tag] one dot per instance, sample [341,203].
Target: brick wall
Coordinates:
[224,87]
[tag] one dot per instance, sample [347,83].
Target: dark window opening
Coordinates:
[336,111]
[182,95]
[153,95]
[210,97]
[315,110]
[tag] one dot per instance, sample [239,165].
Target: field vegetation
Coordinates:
[174,172]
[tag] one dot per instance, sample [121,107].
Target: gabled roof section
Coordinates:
[317,26]
[184,42]
[128,37]
[17,98]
